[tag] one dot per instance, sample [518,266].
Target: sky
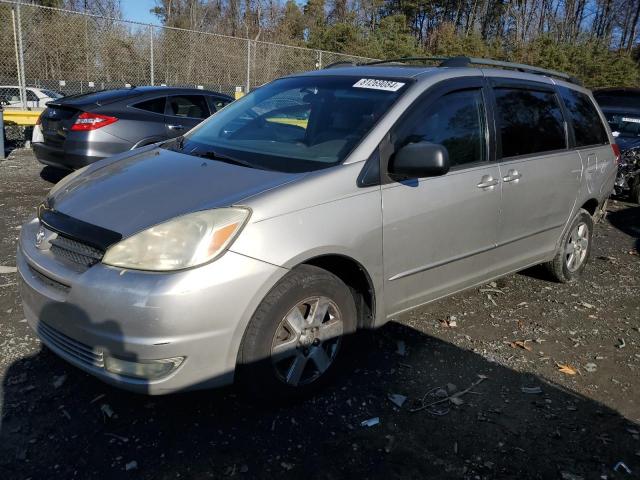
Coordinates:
[138,11]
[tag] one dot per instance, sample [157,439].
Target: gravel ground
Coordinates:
[525,416]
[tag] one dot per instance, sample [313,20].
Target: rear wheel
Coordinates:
[634,194]
[295,339]
[574,250]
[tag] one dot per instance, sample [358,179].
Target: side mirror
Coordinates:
[421,159]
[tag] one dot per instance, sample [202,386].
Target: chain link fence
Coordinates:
[72,52]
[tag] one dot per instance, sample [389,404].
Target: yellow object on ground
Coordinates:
[290,121]
[21,117]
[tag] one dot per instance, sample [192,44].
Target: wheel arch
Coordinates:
[591,206]
[356,277]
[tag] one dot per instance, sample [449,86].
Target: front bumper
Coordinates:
[85,315]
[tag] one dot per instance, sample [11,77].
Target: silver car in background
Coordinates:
[255,245]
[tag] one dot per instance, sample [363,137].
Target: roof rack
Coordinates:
[342,63]
[462,61]
[409,59]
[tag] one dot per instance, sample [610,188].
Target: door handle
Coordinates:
[512,176]
[175,127]
[487,182]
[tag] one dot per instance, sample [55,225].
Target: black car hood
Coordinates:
[627,143]
[141,189]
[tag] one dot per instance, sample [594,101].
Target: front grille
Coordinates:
[81,352]
[76,252]
[50,282]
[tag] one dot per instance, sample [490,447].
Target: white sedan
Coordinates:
[36,97]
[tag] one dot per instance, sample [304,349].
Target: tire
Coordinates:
[574,250]
[286,352]
[634,193]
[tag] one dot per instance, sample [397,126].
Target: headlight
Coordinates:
[182,242]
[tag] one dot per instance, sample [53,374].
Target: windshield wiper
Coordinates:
[211,155]
[174,144]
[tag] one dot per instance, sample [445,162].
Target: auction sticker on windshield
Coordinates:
[375,84]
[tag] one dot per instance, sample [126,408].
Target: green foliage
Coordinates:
[392,35]
[392,38]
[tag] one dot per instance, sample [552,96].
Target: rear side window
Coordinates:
[192,106]
[587,126]
[529,121]
[155,105]
[455,120]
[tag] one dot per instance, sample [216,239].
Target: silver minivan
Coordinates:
[256,244]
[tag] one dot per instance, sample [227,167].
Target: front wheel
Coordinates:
[574,250]
[297,335]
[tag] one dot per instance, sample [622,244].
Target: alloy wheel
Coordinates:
[576,247]
[307,341]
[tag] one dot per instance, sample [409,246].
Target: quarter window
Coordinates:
[587,125]
[155,105]
[192,106]
[456,121]
[219,103]
[529,121]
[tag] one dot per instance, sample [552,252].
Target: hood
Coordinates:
[143,189]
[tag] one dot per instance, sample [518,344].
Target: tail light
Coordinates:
[39,120]
[616,152]
[91,121]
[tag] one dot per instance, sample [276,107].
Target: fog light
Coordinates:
[147,369]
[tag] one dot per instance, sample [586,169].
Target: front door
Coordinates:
[439,233]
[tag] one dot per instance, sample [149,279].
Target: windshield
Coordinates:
[294,124]
[624,124]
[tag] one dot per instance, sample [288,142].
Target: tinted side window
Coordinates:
[13,94]
[587,126]
[193,106]
[31,97]
[219,102]
[529,121]
[155,105]
[456,120]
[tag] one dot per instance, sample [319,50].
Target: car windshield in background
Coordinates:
[294,124]
[51,94]
[624,124]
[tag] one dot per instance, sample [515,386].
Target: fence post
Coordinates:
[151,44]
[23,87]
[248,66]
[1,133]
[320,60]
[17,41]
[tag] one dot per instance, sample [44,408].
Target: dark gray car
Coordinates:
[81,129]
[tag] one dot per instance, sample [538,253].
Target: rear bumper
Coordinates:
[78,149]
[57,157]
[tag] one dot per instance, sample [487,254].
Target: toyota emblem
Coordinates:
[40,237]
